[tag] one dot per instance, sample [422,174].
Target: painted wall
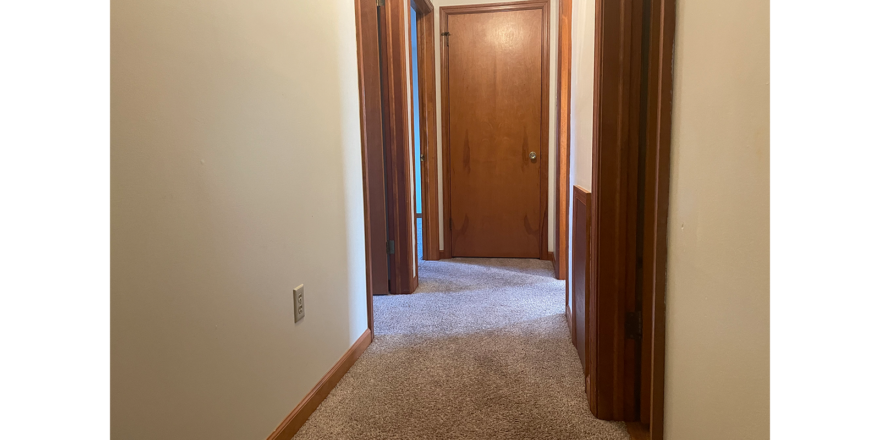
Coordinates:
[718,346]
[583,40]
[554,40]
[236,176]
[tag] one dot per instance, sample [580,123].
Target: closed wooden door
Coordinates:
[496,103]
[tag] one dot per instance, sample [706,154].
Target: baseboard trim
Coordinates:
[637,431]
[568,321]
[297,418]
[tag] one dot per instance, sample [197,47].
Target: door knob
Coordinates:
[532,155]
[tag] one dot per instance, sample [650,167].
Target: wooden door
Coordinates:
[496,108]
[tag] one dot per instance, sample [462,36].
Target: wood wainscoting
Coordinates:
[297,418]
[580,281]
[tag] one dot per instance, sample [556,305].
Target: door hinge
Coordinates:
[450,223]
[380,2]
[445,34]
[633,326]
[389,246]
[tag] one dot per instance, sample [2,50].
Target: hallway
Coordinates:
[481,350]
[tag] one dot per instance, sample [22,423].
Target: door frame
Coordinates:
[384,128]
[631,151]
[394,28]
[563,143]
[372,151]
[654,215]
[445,12]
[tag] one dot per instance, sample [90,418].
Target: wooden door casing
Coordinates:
[394,18]
[563,142]
[495,96]
[370,89]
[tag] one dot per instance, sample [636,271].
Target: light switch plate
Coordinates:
[299,306]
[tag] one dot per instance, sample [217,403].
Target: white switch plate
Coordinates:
[299,305]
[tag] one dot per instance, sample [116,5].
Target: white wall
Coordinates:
[718,304]
[236,176]
[583,38]
[554,43]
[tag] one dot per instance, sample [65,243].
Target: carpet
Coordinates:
[481,350]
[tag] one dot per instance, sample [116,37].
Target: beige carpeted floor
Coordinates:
[480,351]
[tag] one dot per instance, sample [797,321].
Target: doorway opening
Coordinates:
[418,149]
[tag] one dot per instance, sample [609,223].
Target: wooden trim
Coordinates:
[393,29]
[656,209]
[563,140]
[637,431]
[422,6]
[616,128]
[428,118]
[492,7]
[298,417]
[372,151]
[631,146]
[569,322]
[445,12]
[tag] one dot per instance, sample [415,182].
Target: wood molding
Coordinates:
[445,12]
[616,134]
[298,417]
[637,431]
[568,322]
[631,146]
[428,118]
[394,19]
[563,139]
[661,36]
[422,6]
[372,151]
